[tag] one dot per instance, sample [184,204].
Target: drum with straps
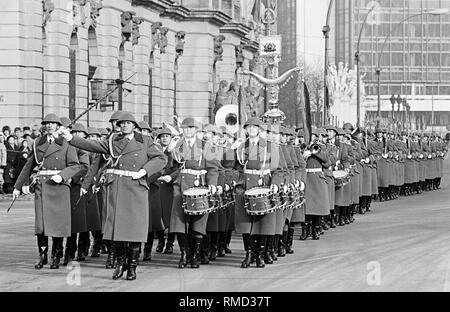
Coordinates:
[341,178]
[198,201]
[260,201]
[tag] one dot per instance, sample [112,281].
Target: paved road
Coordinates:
[400,246]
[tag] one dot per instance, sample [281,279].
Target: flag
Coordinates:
[308,129]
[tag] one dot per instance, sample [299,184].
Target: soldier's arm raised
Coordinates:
[99,147]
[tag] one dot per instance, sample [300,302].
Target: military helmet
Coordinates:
[103,131]
[340,131]
[348,126]
[144,125]
[253,121]
[126,116]
[300,133]
[189,123]
[93,131]
[79,128]
[115,116]
[65,121]
[163,131]
[51,118]
[331,128]
[404,133]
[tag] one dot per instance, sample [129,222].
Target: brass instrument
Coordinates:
[228,116]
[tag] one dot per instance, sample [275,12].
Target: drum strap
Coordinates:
[40,164]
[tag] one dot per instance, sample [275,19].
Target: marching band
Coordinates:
[132,185]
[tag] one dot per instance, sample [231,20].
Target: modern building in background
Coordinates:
[415,63]
[287,28]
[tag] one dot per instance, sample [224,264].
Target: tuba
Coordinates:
[228,116]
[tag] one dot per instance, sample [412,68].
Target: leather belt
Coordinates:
[257,172]
[314,170]
[122,173]
[48,172]
[194,172]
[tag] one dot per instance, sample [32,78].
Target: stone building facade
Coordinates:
[54,53]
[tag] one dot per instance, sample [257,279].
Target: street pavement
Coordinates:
[400,246]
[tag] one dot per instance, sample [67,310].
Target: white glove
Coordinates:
[297,183]
[138,175]
[338,163]
[227,188]
[165,179]
[307,154]
[385,156]
[26,190]
[421,156]
[213,189]
[219,190]
[409,157]
[57,179]
[429,156]
[65,133]
[347,170]
[95,189]
[83,192]
[274,188]
[302,186]
[16,194]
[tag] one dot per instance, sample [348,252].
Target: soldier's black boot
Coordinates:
[353,210]
[314,227]
[267,255]
[43,250]
[205,249]
[213,246]
[121,255]
[96,247]
[304,235]
[247,240]
[282,245]
[289,241]
[111,258]
[161,241]
[254,245]
[148,247]
[196,244]
[169,244]
[332,217]
[183,244]
[69,252]
[260,251]
[324,224]
[221,252]
[228,240]
[57,252]
[104,246]
[133,257]
[83,246]
[273,247]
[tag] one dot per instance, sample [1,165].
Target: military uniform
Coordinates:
[52,200]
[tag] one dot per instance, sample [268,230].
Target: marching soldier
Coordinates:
[343,193]
[78,203]
[409,163]
[332,150]
[134,157]
[316,189]
[196,170]
[57,163]
[90,190]
[379,150]
[168,175]
[366,172]
[259,167]
[370,139]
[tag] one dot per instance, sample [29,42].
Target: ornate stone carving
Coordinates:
[218,49]
[163,42]
[47,7]
[135,32]
[95,7]
[155,35]
[79,16]
[239,52]
[179,46]
[254,61]
[126,20]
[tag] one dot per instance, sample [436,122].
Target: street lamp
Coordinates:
[378,69]
[326,32]
[358,74]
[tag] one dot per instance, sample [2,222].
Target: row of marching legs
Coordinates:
[394,192]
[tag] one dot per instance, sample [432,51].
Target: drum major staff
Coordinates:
[135,157]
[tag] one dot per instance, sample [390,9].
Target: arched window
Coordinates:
[73,76]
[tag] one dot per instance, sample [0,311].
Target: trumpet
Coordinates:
[315,148]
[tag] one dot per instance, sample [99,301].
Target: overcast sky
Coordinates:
[312,16]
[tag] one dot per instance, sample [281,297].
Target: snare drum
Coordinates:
[197,202]
[259,201]
[341,178]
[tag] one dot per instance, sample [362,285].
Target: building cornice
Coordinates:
[158,5]
[214,17]
[250,45]
[237,29]
[176,12]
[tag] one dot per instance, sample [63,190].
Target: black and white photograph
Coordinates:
[223,153]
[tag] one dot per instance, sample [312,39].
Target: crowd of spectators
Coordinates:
[15,148]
